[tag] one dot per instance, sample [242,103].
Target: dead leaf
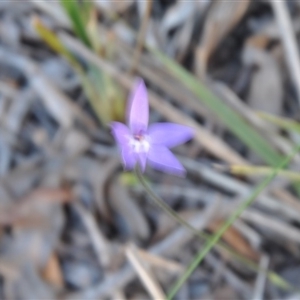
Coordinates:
[19,109]
[29,248]
[28,285]
[52,272]
[266,90]
[10,33]
[113,6]
[25,213]
[178,14]
[223,293]
[182,39]
[76,142]
[61,108]
[233,238]
[221,19]
[98,174]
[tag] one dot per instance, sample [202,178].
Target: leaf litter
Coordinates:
[72,225]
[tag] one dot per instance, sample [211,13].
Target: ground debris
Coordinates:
[73,223]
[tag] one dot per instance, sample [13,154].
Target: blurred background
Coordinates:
[73,224]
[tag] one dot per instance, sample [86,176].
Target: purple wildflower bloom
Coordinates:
[139,143]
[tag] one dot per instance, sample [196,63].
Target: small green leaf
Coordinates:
[78,17]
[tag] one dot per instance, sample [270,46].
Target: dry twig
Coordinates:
[289,41]
[146,277]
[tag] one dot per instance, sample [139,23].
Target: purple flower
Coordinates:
[139,143]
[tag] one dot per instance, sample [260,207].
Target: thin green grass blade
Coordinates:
[281,122]
[280,282]
[214,240]
[78,17]
[259,171]
[230,118]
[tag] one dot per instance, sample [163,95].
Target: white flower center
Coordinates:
[139,144]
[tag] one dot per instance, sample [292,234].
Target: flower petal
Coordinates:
[161,158]
[169,134]
[138,108]
[120,132]
[129,158]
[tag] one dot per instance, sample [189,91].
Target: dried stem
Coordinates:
[289,41]
[141,38]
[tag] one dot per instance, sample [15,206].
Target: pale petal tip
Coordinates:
[139,81]
[138,107]
[181,172]
[162,159]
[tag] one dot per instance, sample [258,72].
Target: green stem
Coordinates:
[167,209]
[272,276]
[214,240]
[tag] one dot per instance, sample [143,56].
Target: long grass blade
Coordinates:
[211,243]
[273,277]
[230,118]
